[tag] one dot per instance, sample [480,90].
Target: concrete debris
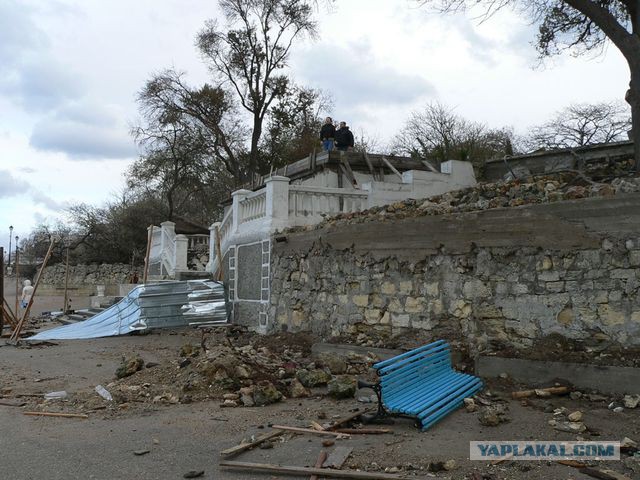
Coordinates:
[129,367]
[313,378]
[342,386]
[494,415]
[631,401]
[575,416]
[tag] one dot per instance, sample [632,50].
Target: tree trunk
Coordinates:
[633,98]
[255,139]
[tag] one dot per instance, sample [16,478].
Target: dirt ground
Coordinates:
[185,433]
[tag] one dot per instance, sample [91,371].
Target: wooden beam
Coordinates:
[16,332]
[243,447]
[309,430]
[344,162]
[57,414]
[319,462]
[347,419]
[391,167]
[428,164]
[321,472]
[145,274]
[218,248]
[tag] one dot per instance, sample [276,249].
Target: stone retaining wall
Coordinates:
[502,277]
[84,278]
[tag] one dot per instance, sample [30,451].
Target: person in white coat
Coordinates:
[27,293]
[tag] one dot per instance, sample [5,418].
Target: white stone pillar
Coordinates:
[277,198]
[212,246]
[237,196]
[180,260]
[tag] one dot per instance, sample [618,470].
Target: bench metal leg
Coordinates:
[381,415]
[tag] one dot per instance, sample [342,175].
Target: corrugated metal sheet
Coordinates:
[152,305]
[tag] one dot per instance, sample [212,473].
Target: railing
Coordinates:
[311,203]
[198,240]
[254,206]
[225,226]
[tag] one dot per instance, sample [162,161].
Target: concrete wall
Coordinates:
[501,277]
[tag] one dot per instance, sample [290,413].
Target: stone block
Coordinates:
[400,320]
[414,305]
[395,306]
[475,289]
[623,273]
[550,276]
[555,287]
[610,316]
[361,300]
[634,258]
[372,315]
[388,288]
[406,287]
[433,290]
[566,316]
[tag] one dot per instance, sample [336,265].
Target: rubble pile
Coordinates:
[531,190]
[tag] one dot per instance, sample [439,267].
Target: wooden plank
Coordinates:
[322,472]
[57,414]
[12,403]
[16,332]
[145,273]
[337,458]
[321,458]
[363,431]
[309,430]
[428,164]
[344,160]
[347,419]
[540,392]
[391,167]
[218,253]
[249,445]
[369,164]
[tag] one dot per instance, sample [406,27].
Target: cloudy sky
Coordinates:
[70,70]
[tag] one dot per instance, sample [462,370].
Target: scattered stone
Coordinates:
[493,415]
[151,364]
[343,386]
[185,362]
[129,367]
[188,350]
[631,401]
[229,403]
[265,393]
[297,390]
[470,405]
[266,445]
[575,395]
[575,416]
[335,363]
[141,452]
[193,474]
[570,427]
[449,465]
[313,378]
[618,410]
[628,443]
[328,443]
[231,396]
[246,396]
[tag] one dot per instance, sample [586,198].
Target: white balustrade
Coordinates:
[310,204]
[253,206]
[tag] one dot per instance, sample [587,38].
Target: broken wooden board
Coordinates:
[14,403]
[229,452]
[337,458]
[309,430]
[299,471]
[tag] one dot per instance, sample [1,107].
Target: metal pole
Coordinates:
[66,283]
[10,237]
[17,312]
[2,288]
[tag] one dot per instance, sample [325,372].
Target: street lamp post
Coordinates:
[10,237]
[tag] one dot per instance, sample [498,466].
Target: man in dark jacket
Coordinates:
[327,134]
[344,137]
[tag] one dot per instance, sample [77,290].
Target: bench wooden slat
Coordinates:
[423,384]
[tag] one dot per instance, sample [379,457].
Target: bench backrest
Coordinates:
[421,364]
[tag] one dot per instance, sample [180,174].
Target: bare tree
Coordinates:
[249,53]
[580,26]
[582,124]
[437,133]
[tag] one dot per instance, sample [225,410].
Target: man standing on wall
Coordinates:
[327,134]
[344,138]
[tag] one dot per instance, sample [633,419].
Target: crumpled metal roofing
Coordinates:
[152,305]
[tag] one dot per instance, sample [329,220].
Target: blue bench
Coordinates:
[421,383]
